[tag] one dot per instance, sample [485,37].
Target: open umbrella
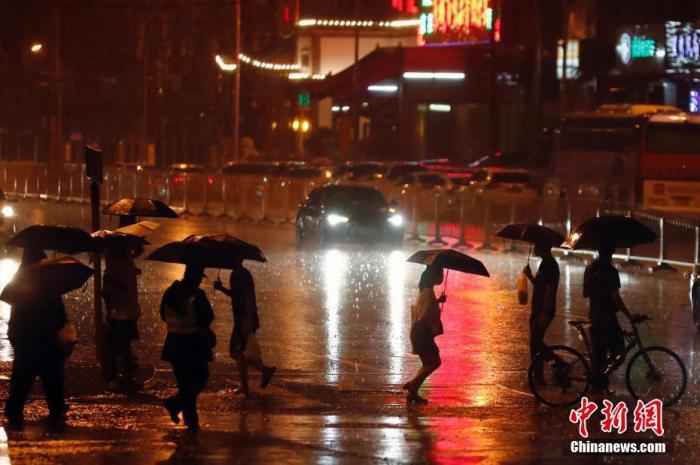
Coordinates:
[49,277]
[141,229]
[209,251]
[450,259]
[106,239]
[531,233]
[140,207]
[611,230]
[64,239]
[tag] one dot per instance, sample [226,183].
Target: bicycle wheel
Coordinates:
[656,373]
[565,378]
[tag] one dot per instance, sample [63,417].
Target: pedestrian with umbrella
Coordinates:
[39,331]
[120,293]
[601,285]
[544,284]
[426,313]
[188,346]
[227,252]
[243,345]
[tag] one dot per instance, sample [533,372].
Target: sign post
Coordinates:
[93,170]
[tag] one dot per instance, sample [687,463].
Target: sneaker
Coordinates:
[173,410]
[267,374]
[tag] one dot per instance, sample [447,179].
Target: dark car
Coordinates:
[338,213]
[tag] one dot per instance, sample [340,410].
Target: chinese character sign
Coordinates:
[647,416]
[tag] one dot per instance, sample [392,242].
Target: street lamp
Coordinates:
[37,48]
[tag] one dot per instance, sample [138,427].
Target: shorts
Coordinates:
[423,343]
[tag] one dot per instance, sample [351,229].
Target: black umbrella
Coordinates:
[106,239]
[209,251]
[140,207]
[450,259]
[58,238]
[531,233]
[612,230]
[49,277]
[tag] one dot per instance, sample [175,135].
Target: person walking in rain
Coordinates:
[120,293]
[243,346]
[426,326]
[601,285]
[544,301]
[189,343]
[33,331]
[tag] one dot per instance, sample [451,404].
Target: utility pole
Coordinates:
[493,78]
[355,82]
[536,90]
[144,128]
[565,52]
[57,142]
[237,83]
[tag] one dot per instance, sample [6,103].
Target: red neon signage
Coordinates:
[460,20]
[406,6]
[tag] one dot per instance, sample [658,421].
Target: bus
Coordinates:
[633,156]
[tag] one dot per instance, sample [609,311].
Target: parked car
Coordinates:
[337,213]
[499,182]
[364,173]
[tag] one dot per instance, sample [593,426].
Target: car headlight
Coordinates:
[7,212]
[335,220]
[396,220]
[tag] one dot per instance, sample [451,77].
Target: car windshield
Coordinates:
[673,139]
[354,197]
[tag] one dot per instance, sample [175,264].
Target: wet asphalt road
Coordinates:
[336,324]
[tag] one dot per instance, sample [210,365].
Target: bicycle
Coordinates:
[653,372]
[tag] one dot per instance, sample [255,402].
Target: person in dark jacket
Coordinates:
[189,343]
[243,346]
[426,326]
[33,332]
[544,301]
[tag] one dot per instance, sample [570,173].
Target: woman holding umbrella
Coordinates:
[426,314]
[188,314]
[426,326]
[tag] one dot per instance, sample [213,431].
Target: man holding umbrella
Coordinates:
[545,283]
[601,285]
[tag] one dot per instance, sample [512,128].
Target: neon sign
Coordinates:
[456,20]
[682,46]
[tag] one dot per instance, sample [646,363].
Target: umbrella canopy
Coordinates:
[106,239]
[140,207]
[209,251]
[140,229]
[613,230]
[531,233]
[49,277]
[451,260]
[58,238]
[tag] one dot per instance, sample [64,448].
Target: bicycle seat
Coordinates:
[580,324]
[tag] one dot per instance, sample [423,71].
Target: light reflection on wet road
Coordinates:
[336,323]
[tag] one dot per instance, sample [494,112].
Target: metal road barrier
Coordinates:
[433,213]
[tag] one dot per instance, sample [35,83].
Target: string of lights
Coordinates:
[230,67]
[353,23]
